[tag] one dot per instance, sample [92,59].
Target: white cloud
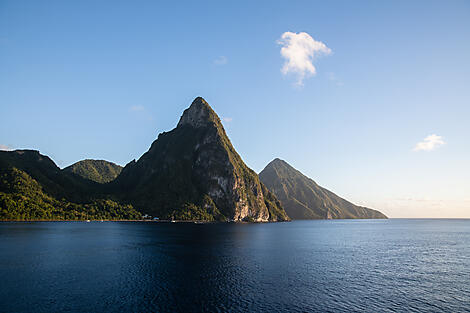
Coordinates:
[137,108]
[300,50]
[5,148]
[429,143]
[227,119]
[221,60]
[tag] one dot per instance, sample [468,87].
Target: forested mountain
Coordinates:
[32,187]
[193,172]
[99,171]
[302,198]
[190,173]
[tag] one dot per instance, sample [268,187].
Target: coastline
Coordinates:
[144,221]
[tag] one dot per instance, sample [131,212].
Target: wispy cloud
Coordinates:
[429,143]
[299,51]
[221,60]
[137,108]
[5,148]
[333,78]
[141,112]
[227,119]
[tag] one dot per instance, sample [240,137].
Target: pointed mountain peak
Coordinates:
[302,198]
[280,168]
[278,163]
[194,172]
[199,114]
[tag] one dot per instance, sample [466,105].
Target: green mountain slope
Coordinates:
[302,198]
[41,168]
[193,172]
[99,171]
[32,187]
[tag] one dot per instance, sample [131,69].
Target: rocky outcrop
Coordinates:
[193,172]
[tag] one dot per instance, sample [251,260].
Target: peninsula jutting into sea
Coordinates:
[191,173]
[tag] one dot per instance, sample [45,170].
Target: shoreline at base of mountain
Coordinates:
[144,221]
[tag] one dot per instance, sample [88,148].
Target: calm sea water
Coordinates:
[302,266]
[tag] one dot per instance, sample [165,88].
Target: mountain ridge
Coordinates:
[303,198]
[33,187]
[191,172]
[194,170]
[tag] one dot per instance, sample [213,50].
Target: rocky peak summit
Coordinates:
[277,163]
[194,172]
[199,114]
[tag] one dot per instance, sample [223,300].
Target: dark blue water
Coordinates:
[304,266]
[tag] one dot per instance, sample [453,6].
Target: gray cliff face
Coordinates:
[195,166]
[198,115]
[223,180]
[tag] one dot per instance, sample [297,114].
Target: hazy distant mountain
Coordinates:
[193,172]
[99,171]
[302,198]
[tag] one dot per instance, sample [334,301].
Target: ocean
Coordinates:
[395,265]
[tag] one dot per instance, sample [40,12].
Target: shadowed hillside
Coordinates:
[193,172]
[302,198]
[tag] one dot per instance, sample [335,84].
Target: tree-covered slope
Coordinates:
[190,173]
[99,171]
[32,187]
[42,169]
[302,198]
[193,172]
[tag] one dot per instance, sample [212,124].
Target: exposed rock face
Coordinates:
[198,115]
[302,198]
[193,172]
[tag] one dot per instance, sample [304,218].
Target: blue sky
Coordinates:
[101,80]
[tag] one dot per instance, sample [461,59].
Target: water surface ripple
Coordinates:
[304,266]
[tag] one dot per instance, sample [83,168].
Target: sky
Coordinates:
[368,98]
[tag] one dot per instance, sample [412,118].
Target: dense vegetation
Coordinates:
[190,173]
[99,171]
[32,187]
[22,198]
[302,198]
